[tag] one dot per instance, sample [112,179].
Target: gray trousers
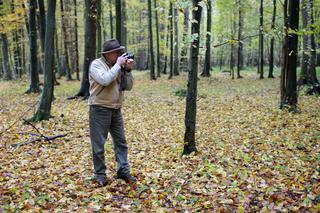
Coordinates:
[101,121]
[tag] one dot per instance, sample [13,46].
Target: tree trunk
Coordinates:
[184,50]
[65,56]
[75,42]
[167,46]
[272,40]
[232,58]
[42,23]
[240,43]
[152,71]
[123,40]
[289,96]
[171,40]
[308,69]
[261,62]
[7,73]
[90,45]
[176,43]
[118,20]
[44,109]
[158,38]
[33,69]
[99,28]
[111,18]
[207,61]
[191,101]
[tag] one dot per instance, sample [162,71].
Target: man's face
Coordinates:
[113,56]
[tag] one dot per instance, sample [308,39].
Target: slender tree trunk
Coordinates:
[34,75]
[57,61]
[111,18]
[272,40]
[232,58]
[7,73]
[75,42]
[65,57]
[90,45]
[118,20]
[261,59]
[289,97]
[44,110]
[158,38]
[176,44]
[184,50]
[171,40]
[191,101]
[42,23]
[99,28]
[152,71]
[308,60]
[123,40]
[207,61]
[240,43]
[167,46]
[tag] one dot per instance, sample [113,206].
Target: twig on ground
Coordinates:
[15,145]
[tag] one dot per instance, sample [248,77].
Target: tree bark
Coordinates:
[7,73]
[308,60]
[118,20]
[176,43]
[90,45]
[42,23]
[171,40]
[99,28]
[44,110]
[111,18]
[289,97]
[191,101]
[271,59]
[33,69]
[240,43]
[184,50]
[123,40]
[152,71]
[65,56]
[75,42]
[158,38]
[261,59]
[207,61]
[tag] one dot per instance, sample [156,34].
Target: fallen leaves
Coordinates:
[252,156]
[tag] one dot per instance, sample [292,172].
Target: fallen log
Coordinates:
[15,145]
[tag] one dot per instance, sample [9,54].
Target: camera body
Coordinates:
[129,55]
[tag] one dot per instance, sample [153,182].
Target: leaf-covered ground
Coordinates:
[252,156]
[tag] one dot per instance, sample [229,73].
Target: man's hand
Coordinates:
[129,64]
[121,60]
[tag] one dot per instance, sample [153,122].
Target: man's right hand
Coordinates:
[122,59]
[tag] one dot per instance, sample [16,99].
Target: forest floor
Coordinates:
[251,155]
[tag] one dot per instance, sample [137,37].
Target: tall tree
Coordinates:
[42,14]
[44,110]
[289,97]
[191,101]
[272,40]
[261,31]
[171,39]
[111,18]
[184,49]
[123,40]
[152,71]
[99,26]
[158,37]
[89,45]
[308,60]
[75,41]
[240,42]
[118,19]
[7,73]
[33,71]
[207,61]
[65,55]
[176,43]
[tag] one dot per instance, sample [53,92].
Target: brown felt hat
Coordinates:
[111,45]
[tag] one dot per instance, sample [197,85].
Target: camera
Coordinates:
[129,55]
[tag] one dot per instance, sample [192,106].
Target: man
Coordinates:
[109,76]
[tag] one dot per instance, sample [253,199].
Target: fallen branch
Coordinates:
[43,136]
[15,145]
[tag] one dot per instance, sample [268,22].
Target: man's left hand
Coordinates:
[129,64]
